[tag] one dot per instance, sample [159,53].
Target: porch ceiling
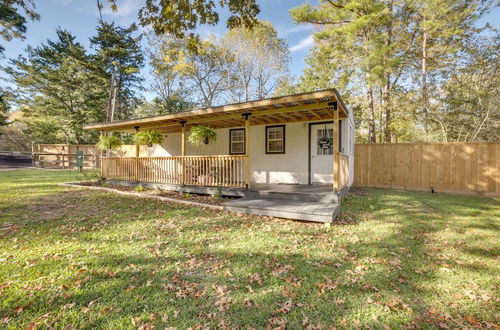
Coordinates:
[285,109]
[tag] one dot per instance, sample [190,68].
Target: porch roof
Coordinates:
[284,109]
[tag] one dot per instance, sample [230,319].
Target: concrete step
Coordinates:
[307,197]
[285,208]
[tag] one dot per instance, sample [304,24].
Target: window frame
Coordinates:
[244,141]
[284,139]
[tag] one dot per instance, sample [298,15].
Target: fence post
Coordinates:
[33,163]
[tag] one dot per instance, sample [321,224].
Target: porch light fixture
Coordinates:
[333,104]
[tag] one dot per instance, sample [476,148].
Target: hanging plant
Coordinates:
[202,134]
[147,137]
[110,141]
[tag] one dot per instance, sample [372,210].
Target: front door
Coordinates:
[321,153]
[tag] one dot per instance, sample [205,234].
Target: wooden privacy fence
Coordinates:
[225,171]
[463,168]
[64,155]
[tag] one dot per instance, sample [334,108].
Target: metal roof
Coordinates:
[318,105]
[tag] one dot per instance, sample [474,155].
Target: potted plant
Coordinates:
[147,137]
[202,134]
[110,141]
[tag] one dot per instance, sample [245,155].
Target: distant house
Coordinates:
[304,140]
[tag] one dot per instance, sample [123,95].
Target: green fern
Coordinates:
[147,137]
[202,135]
[109,142]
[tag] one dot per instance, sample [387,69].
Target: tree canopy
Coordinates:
[392,60]
[13,20]
[59,89]
[180,18]
[119,54]
[411,70]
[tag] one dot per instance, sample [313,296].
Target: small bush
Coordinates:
[218,193]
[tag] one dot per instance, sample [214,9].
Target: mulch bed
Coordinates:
[204,199]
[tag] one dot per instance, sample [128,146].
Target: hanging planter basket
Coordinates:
[107,142]
[147,137]
[202,135]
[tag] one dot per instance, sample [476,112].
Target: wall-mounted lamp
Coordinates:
[333,104]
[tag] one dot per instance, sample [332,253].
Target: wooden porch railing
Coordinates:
[225,171]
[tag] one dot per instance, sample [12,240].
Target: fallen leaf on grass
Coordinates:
[279,322]
[31,326]
[286,292]
[285,308]
[255,278]
[18,310]
[106,310]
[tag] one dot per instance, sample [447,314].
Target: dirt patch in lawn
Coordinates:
[357,192]
[198,198]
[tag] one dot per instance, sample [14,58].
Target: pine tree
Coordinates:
[353,34]
[441,27]
[118,53]
[12,22]
[4,107]
[60,91]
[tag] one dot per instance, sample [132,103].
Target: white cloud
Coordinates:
[126,14]
[303,44]
[283,32]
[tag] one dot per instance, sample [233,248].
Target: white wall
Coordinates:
[290,167]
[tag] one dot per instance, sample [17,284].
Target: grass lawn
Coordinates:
[80,258]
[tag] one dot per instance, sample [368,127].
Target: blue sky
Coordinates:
[80,17]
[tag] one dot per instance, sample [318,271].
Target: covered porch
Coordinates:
[226,170]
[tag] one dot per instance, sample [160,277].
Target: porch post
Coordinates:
[137,150]
[247,150]
[183,150]
[336,149]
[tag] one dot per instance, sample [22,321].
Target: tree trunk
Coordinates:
[110,99]
[372,135]
[388,111]
[387,87]
[424,82]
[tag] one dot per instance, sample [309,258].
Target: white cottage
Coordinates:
[291,148]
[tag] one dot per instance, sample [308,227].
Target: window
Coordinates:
[275,139]
[237,141]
